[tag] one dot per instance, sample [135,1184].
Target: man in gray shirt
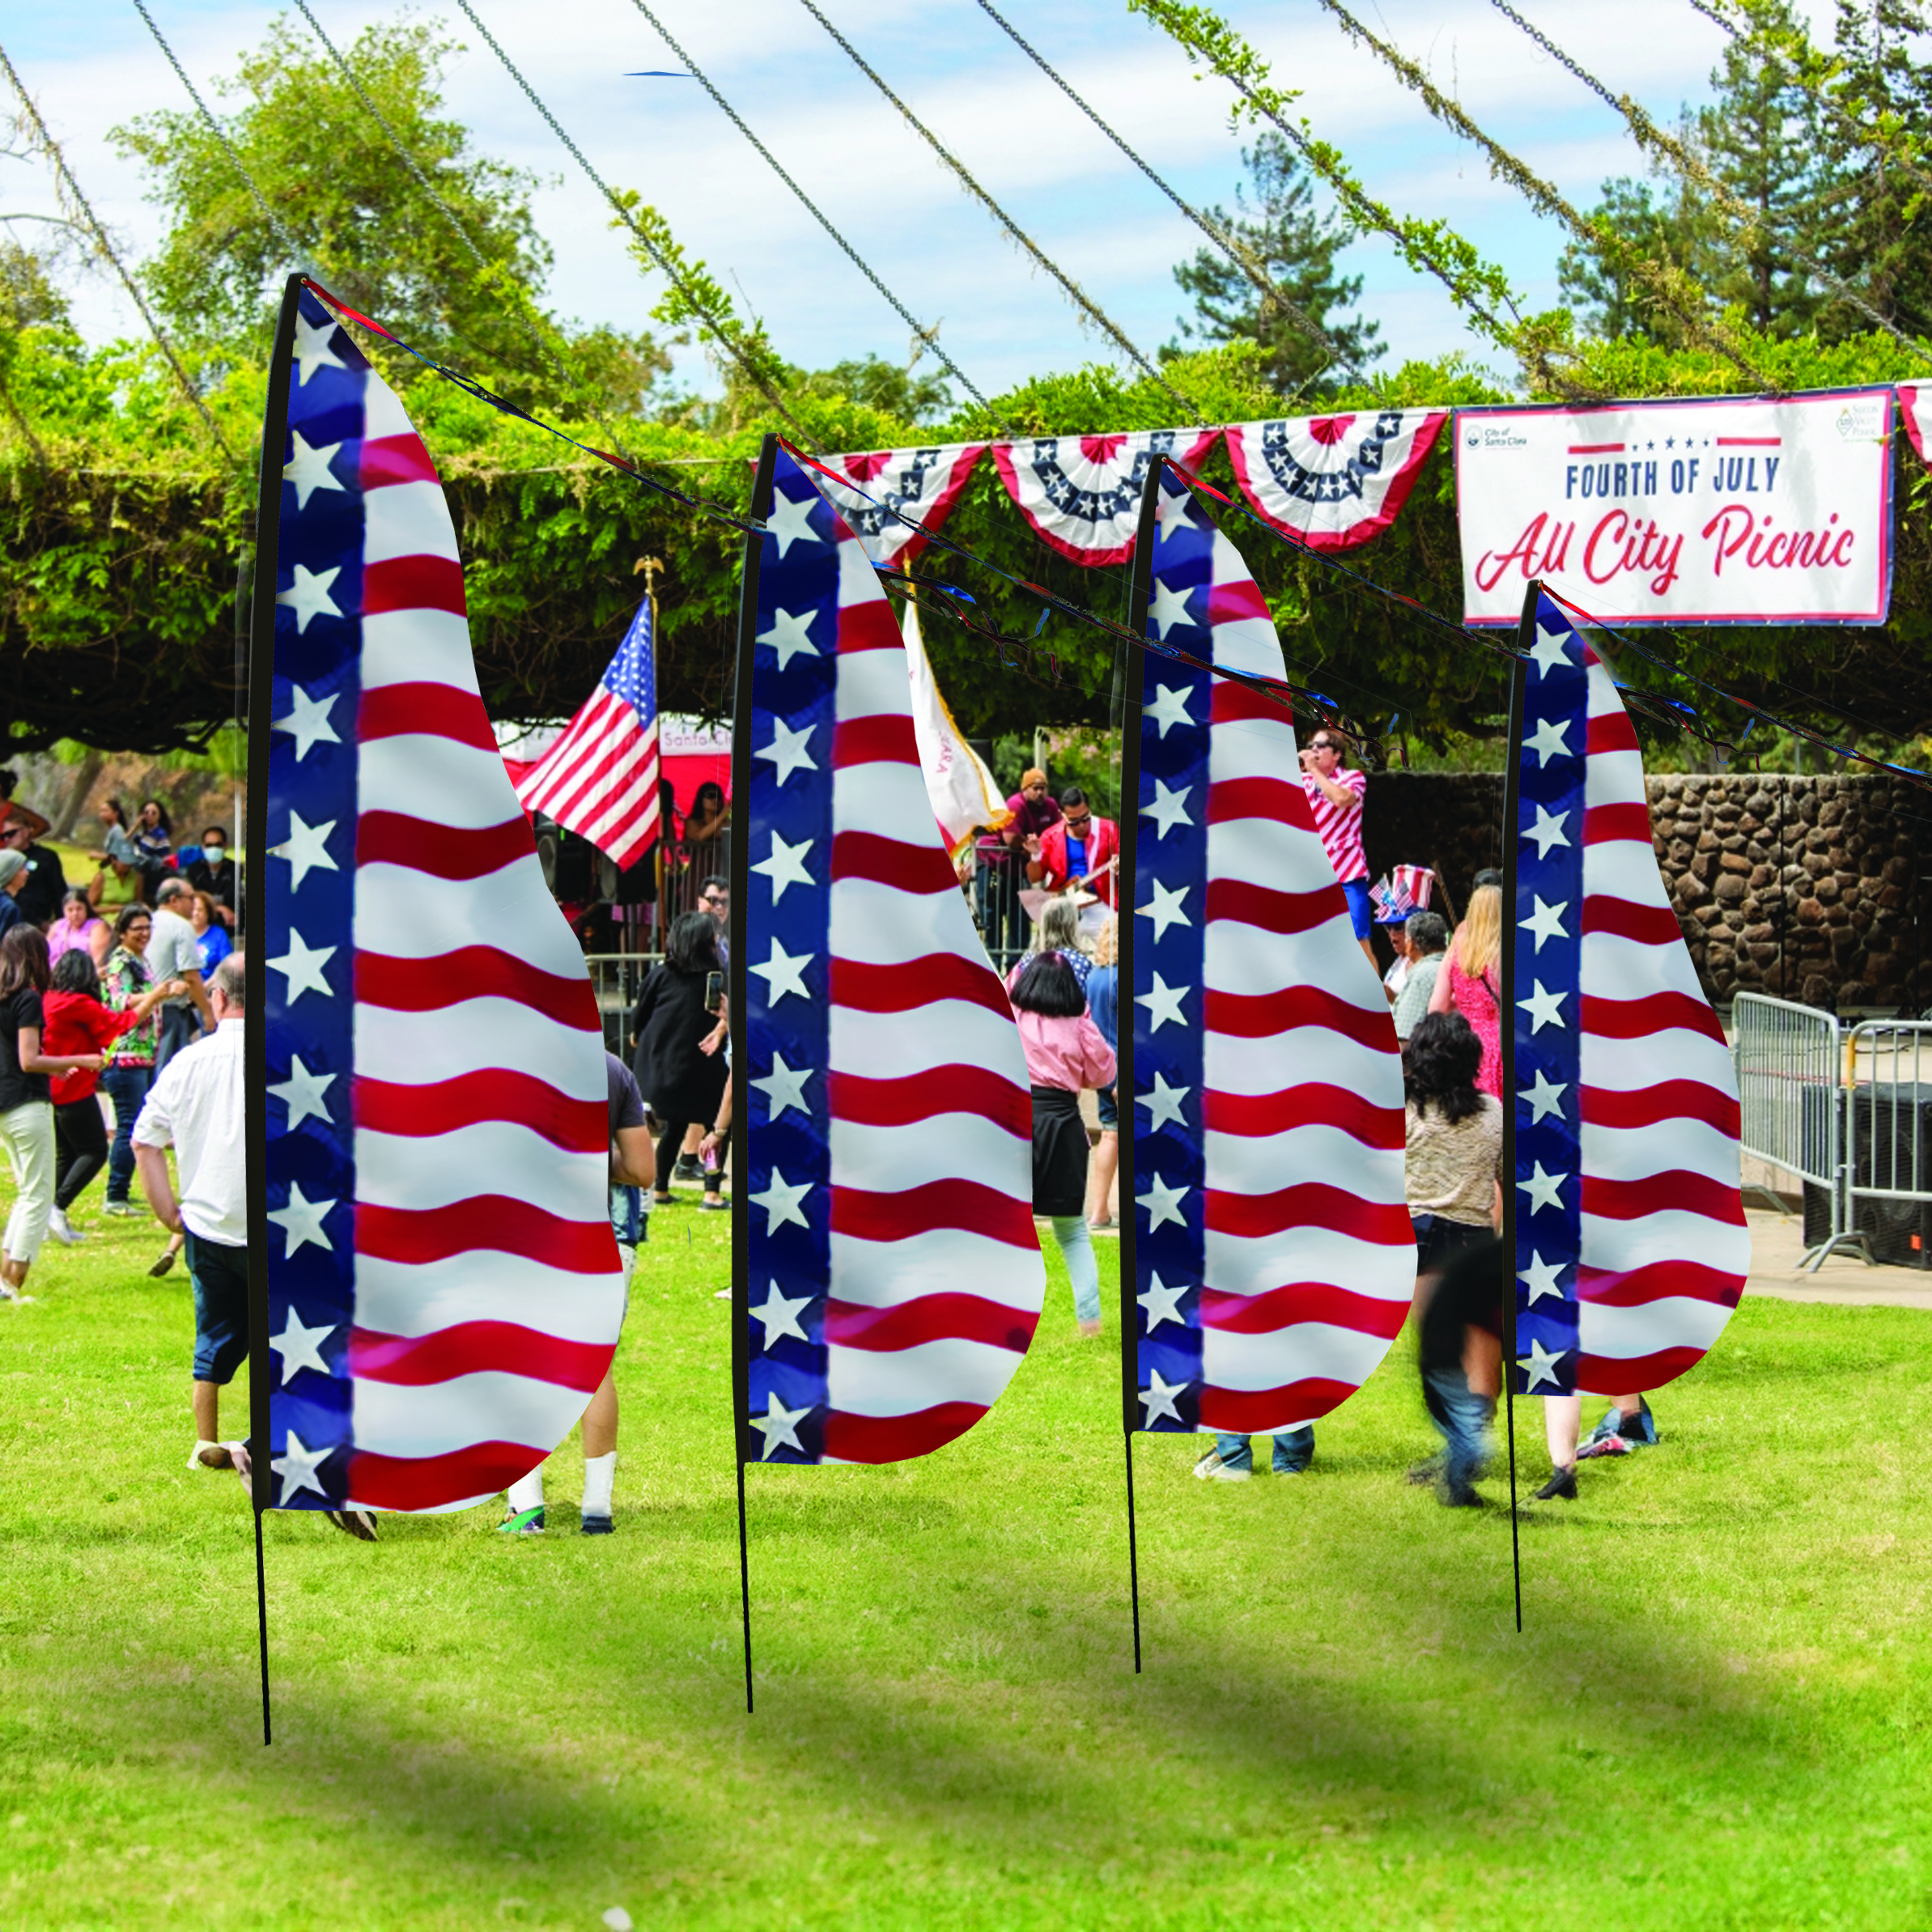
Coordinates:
[174,953]
[1428,936]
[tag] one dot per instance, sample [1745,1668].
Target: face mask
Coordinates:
[214,854]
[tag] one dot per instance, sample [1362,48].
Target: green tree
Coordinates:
[1670,221]
[1296,244]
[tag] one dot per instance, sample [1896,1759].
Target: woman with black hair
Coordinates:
[677,1015]
[154,843]
[1065,1051]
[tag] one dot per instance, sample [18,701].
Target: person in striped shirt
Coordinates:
[1335,796]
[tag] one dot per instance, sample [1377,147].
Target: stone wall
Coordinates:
[1813,889]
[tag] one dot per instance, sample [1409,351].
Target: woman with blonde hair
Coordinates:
[1057,930]
[1470,982]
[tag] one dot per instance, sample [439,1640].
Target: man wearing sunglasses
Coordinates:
[1335,796]
[1075,850]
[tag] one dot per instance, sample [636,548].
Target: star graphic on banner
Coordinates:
[1170,608]
[1162,1303]
[297,1468]
[1166,911]
[1162,1203]
[1174,516]
[1540,1278]
[780,1202]
[302,1093]
[1551,651]
[1545,1097]
[1544,1008]
[308,596]
[1546,922]
[1539,1364]
[780,1316]
[786,866]
[1159,1397]
[308,722]
[1163,1104]
[790,521]
[783,973]
[1163,1004]
[784,1086]
[789,634]
[1169,707]
[779,1425]
[1544,1190]
[308,469]
[312,351]
[306,848]
[1169,808]
[301,1221]
[1547,741]
[787,750]
[1547,831]
[304,965]
[300,1347]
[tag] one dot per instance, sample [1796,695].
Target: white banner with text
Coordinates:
[1724,510]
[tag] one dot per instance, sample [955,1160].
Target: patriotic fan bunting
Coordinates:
[600,779]
[1333,482]
[921,484]
[443,1287]
[895,1277]
[1274,1259]
[1082,494]
[1631,1243]
[1908,394]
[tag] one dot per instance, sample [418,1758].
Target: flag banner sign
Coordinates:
[1274,1257]
[921,484]
[600,779]
[444,1292]
[1332,481]
[1909,395]
[895,1278]
[1631,1244]
[1725,510]
[1082,494]
[964,798]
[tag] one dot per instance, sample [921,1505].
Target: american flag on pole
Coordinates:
[895,1278]
[444,1292]
[1275,1260]
[600,779]
[1631,1244]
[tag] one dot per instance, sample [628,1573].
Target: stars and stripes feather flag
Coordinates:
[1632,1248]
[444,1292]
[894,1276]
[600,779]
[1274,1257]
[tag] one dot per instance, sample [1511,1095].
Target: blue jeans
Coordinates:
[1076,1250]
[127,1087]
[1462,1417]
[1293,1451]
[180,1026]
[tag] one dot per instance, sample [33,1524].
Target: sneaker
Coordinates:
[1606,1426]
[1562,1484]
[1211,1468]
[714,1204]
[1611,1445]
[61,1228]
[123,1210]
[522,1522]
[164,1264]
[596,1526]
[686,1169]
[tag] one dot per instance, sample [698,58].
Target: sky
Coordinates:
[91,64]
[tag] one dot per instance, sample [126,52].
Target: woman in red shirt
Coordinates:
[77,1024]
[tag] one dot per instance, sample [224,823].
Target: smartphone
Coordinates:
[714,992]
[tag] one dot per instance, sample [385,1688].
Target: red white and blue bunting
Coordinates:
[919,484]
[1082,494]
[1333,482]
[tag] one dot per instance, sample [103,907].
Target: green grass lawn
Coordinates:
[1717,1715]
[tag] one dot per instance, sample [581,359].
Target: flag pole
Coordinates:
[740,862]
[1126,708]
[255,840]
[1505,970]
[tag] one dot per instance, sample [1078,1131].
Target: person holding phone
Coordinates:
[675,1030]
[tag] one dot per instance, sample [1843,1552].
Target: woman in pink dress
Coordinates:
[79,926]
[1470,982]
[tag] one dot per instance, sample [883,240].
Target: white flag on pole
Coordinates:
[964,796]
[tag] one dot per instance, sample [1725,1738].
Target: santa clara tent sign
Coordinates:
[1732,510]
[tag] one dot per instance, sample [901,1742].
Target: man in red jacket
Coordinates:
[1074,851]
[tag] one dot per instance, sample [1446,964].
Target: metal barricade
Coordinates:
[1788,1060]
[617,979]
[1887,1184]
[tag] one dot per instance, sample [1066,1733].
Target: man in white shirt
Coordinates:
[198,1106]
[174,953]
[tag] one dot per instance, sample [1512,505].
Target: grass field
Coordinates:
[1718,1715]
